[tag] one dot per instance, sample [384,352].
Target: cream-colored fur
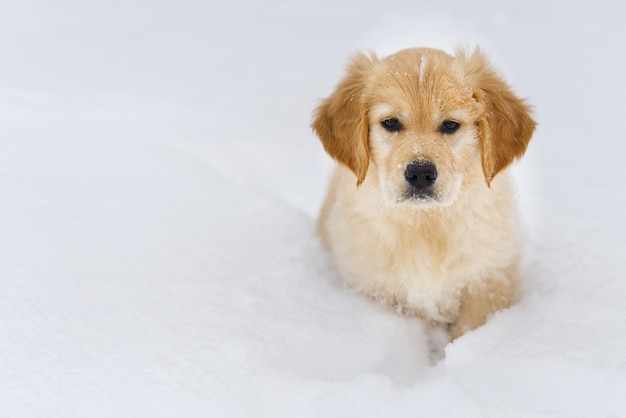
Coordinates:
[450,256]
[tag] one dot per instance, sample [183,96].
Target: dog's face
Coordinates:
[424,121]
[423,135]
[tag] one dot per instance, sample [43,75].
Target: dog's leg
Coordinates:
[480,301]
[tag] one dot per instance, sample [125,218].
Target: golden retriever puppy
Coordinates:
[420,211]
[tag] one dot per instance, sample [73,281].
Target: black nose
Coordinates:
[421,175]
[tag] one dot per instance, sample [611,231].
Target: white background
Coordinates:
[158,188]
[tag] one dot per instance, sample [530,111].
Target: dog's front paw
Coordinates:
[458,328]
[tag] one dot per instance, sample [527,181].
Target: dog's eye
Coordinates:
[392,125]
[449,127]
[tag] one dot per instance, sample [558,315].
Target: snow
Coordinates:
[159,184]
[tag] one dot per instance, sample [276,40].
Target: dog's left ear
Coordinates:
[341,120]
[505,125]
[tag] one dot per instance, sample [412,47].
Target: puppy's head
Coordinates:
[425,122]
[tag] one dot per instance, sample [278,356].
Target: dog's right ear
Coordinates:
[341,120]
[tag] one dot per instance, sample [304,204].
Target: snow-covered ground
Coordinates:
[158,188]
